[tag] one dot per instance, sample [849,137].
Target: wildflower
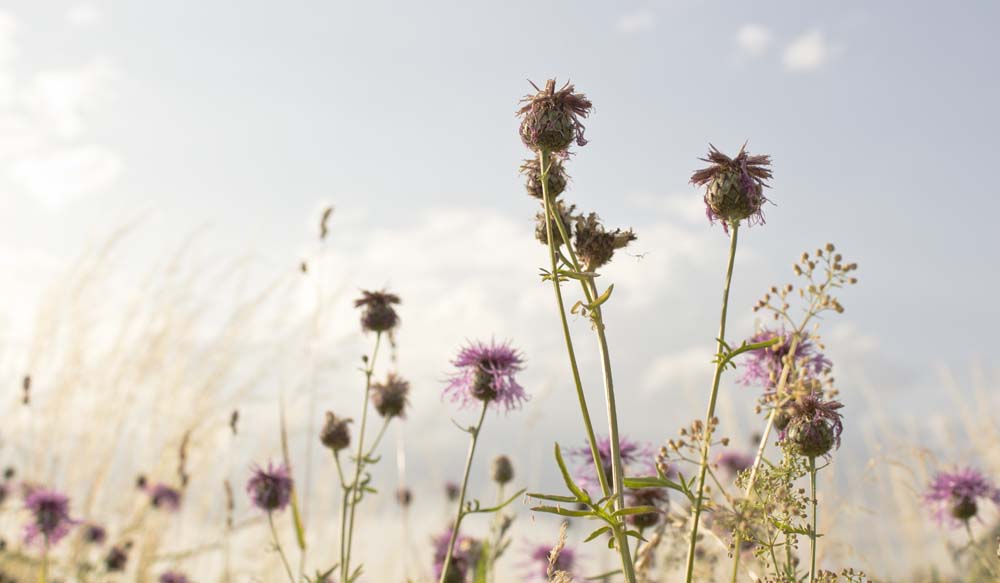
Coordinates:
[451,491]
[173,577]
[763,366]
[50,516]
[502,470]
[814,427]
[539,561]
[533,178]
[596,246]
[164,497]
[734,462]
[550,119]
[953,497]
[632,453]
[270,489]
[486,373]
[377,314]
[645,497]
[568,218]
[95,534]
[390,397]
[735,186]
[117,558]
[463,559]
[335,434]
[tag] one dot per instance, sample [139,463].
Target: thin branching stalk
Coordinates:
[815,508]
[707,443]
[460,514]
[277,547]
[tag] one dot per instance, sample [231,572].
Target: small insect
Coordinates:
[234,420]
[304,267]
[639,256]
[323,222]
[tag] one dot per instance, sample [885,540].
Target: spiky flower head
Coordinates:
[539,561]
[335,433]
[502,470]
[814,425]
[463,559]
[377,313]
[656,497]
[595,245]
[733,462]
[636,455]
[762,367]
[390,396]
[550,119]
[734,186]
[568,216]
[270,488]
[174,577]
[164,497]
[95,534]
[953,497]
[50,520]
[486,373]
[531,170]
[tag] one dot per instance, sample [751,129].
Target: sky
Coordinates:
[239,121]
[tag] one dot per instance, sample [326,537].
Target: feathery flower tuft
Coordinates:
[539,561]
[532,172]
[390,396]
[173,577]
[952,497]
[377,313]
[335,433]
[463,560]
[270,489]
[763,367]
[50,516]
[596,246]
[550,119]
[486,373]
[164,497]
[735,186]
[814,425]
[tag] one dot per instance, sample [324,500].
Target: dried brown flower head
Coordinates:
[595,245]
[550,119]
[734,186]
[390,396]
[531,170]
[566,213]
[335,433]
[377,314]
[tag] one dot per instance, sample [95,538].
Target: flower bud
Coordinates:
[550,119]
[390,397]
[377,313]
[503,470]
[594,245]
[335,434]
[533,178]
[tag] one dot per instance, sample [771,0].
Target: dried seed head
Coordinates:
[814,427]
[531,170]
[566,213]
[734,186]
[550,119]
[377,314]
[270,488]
[390,396]
[335,433]
[595,245]
[502,469]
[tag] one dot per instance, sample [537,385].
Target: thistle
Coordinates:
[486,374]
[270,488]
[174,577]
[335,434]
[557,178]
[390,396]
[596,246]
[164,497]
[378,314]
[550,119]
[734,186]
[502,470]
[566,215]
[50,517]
[117,558]
[95,534]
[954,497]
[814,426]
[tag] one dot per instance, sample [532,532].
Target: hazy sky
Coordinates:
[246,116]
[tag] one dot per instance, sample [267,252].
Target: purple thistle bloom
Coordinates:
[952,496]
[539,561]
[173,577]
[463,558]
[734,186]
[486,373]
[632,453]
[50,516]
[763,366]
[734,462]
[815,425]
[164,497]
[270,489]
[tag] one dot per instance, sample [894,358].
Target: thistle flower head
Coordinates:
[539,561]
[595,245]
[95,534]
[335,433]
[502,470]
[550,118]
[164,497]
[734,186]
[635,456]
[557,177]
[733,462]
[762,367]
[377,313]
[656,497]
[270,488]
[390,396]
[173,577]
[463,559]
[568,216]
[953,497]
[486,372]
[814,425]
[50,520]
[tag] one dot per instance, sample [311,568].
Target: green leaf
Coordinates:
[563,511]
[597,533]
[498,507]
[580,494]
[552,497]
[633,510]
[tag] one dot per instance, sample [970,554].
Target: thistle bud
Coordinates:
[377,313]
[814,426]
[734,186]
[557,178]
[964,507]
[550,119]
[335,433]
[390,397]
[503,470]
[596,246]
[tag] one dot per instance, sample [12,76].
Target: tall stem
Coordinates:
[277,547]
[461,494]
[707,443]
[43,571]
[343,513]
[815,505]
[359,461]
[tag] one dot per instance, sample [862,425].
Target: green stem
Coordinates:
[815,505]
[43,571]
[343,512]
[707,443]
[461,494]
[277,547]
[359,463]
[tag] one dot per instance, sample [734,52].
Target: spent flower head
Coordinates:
[558,179]
[595,245]
[117,558]
[335,433]
[550,118]
[377,312]
[486,373]
[953,497]
[50,520]
[734,186]
[270,488]
[390,396]
[814,425]
[95,534]
[502,470]
[566,214]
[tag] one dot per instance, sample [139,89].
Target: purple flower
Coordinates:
[734,462]
[814,425]
[95,534]
[734,186]
[656,497]
[952,497]
[270,489]
[539,561]
[762,367]
[173,577]
[486,373]
[550,119]
[463,558]
[633,453]
[164,497]
[50,516]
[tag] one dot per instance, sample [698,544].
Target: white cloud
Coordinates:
[64,174]
[677,371]
[61,98]
[84,15]
[753,40]
[807,52]
[686,207]
[636,21]
[8,27]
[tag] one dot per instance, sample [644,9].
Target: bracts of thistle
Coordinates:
[551,121]
[270,490]
[733,193]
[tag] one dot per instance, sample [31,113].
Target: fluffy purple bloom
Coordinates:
[164,497]
[538,561]
[463,558]
[952,497]
[173,577]
[270,489]
[763,367]
[486,373]
[50,516]
[635,456]
[734,462]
